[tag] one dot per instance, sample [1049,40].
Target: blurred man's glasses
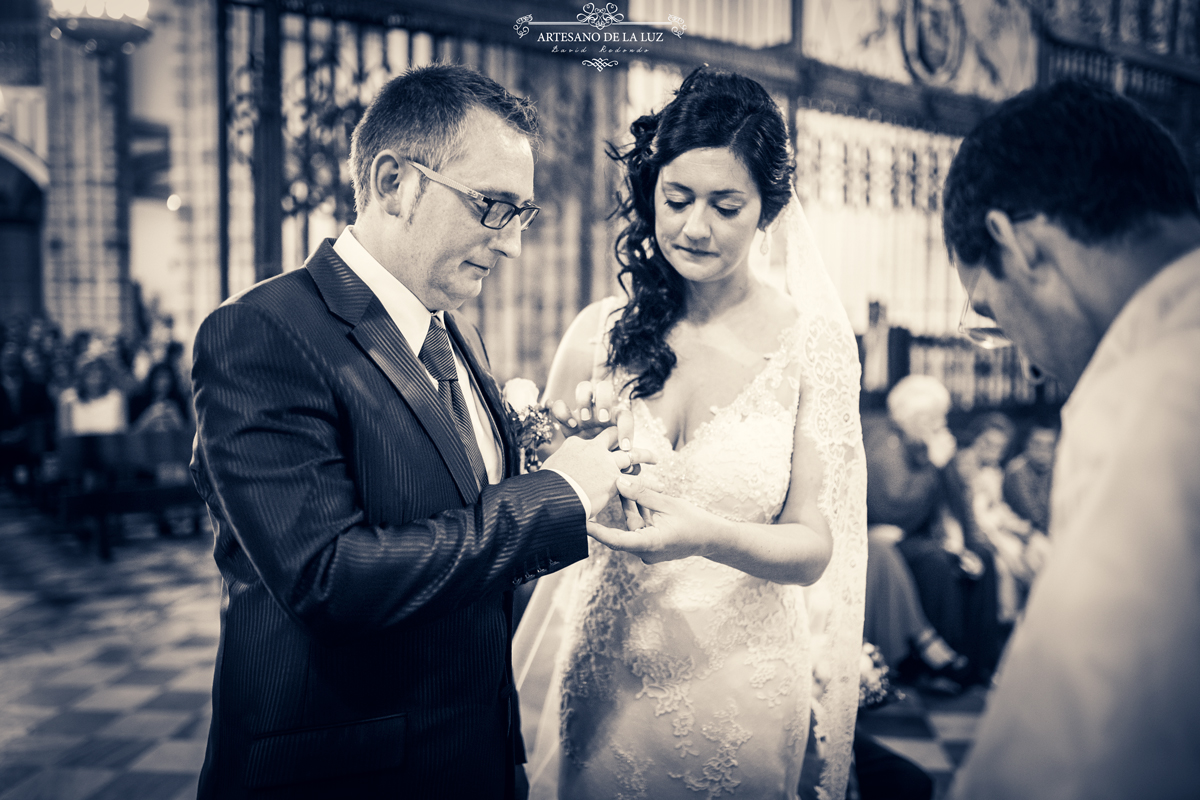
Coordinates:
[496,213]
[982,331]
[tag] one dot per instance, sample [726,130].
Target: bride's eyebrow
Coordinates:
[718,193]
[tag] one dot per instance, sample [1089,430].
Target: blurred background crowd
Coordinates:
[88,384]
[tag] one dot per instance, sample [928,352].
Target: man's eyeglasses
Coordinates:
[496,213]
[984,331]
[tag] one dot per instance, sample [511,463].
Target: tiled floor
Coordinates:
[106,670]
[933,731]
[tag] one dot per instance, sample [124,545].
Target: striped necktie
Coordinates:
[438,358]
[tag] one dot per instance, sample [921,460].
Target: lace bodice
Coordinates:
[738,463]
[691,678]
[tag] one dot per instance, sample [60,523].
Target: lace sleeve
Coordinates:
[830,376]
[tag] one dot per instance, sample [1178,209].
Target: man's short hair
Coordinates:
[1090,160]
[420,115]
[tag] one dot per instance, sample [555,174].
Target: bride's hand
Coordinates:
[663,528]
[597,406]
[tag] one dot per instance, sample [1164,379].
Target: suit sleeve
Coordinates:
[270,462]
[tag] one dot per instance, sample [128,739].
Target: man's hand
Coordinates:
[597,408]
[941,447]
[663,528]
[592,464]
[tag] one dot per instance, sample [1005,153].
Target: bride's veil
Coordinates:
[829,414]
[829,384]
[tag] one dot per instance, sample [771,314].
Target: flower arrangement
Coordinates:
[529,420]
[874,688]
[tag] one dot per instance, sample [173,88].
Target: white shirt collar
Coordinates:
[406,310]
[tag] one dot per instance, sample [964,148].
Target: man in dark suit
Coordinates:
[352,451]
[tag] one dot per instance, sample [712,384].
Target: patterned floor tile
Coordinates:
[971,701]
[53,696]
[115,654]
[926,753]
[199,641]
[12,601]
[147,677]
[117,698]
[954,726]
[176,755]
[956,751]
[197,728]
[107,753]
[20,719]
[145,786]
[179,701]
[61,784]
[87,675]
[13,775]
[37,750]
[147,724]
[182,658]
[78,723]
[197,679]
[909,726]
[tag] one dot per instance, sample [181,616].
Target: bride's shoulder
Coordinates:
[593,320]
[774,313]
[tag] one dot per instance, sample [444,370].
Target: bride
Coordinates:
[692,658]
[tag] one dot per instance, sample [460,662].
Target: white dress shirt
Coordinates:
[1098,696]
[412,318]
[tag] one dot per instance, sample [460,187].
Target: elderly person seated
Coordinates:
[910,507]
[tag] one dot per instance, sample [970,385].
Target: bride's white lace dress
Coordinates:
[690,678]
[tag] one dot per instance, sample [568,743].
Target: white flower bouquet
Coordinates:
[529,419]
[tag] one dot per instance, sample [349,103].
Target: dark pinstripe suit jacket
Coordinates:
[366,609]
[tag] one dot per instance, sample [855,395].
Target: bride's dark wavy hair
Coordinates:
[712,108]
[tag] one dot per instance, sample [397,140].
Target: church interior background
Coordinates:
[177,151]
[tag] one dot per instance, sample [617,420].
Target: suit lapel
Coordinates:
[491,394]
[377,335]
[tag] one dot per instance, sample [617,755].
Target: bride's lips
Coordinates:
[694,252]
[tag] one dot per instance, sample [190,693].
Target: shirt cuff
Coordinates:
[583,498]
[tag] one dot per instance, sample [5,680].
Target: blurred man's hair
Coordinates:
[914,395]
[420,115]
[1089,159]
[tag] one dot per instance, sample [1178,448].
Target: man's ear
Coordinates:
[394,184]
[1023,251]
